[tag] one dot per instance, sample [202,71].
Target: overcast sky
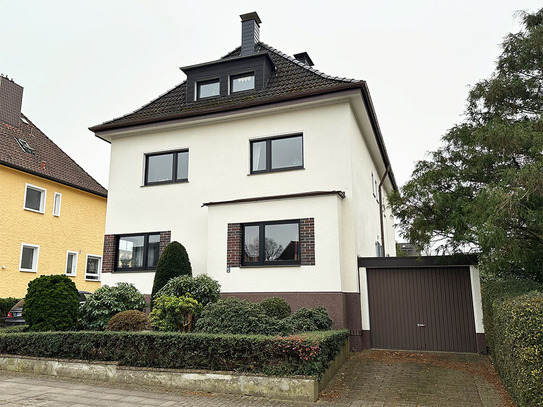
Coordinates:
[85,62]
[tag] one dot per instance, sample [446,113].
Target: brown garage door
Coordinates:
[421,309]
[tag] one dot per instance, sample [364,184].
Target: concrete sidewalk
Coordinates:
[367,379]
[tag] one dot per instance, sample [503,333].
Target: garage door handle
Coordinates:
[421,325]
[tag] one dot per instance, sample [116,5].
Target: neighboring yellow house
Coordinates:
[52,213]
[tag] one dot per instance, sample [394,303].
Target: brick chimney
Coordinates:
[11,99]
[250,32]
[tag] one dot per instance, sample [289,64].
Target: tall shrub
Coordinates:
[173,262]
[51,304]
[108,301]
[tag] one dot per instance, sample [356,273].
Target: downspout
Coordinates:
[387,171]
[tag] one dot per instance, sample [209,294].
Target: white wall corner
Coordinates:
[477,302]
[364,301]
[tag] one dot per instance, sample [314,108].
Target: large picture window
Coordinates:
[137,252]
[271,243]
[167,167]
[277,154]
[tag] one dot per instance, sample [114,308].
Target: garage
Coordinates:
[419,304]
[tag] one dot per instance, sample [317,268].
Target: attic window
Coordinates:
[24,145]
[239,83]
[208,89]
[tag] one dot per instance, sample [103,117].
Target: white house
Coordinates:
[272,174]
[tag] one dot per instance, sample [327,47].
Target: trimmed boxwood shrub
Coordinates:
[235,316]
[307,354]
[107,301]
[308,319]
[129,321]
[513,318]
[276,307]
[173,262]
[202,288]
[51,304]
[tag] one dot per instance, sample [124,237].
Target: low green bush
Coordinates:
[51,304]
[306,354]
[172,313]
[107,301]
[235,316]
[308,319]
[14,328]
[129,321]
[276,307]
[513,319]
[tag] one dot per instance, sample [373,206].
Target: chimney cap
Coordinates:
[251,16]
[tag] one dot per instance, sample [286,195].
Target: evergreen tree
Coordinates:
[173,262]
[484,189]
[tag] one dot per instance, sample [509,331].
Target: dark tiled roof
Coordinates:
[291,78]
[59,166]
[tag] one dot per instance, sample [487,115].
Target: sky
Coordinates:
[82,63]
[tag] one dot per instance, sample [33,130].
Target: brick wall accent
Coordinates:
[108,258]
[307,242]
[165,239]
[233,251]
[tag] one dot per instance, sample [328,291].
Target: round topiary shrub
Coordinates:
[202,288]
[131,321]
[276,307]
[308,319]
[51,304]
[235,316]
[173,262]
[108,301]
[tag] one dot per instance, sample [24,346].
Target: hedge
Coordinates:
[306,354]
[513,317]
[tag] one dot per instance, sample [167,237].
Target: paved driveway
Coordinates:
[368,379]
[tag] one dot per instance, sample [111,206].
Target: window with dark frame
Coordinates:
[271,243]
[137,252]
[243,82]
[277,154]
[207,89]
[164,168]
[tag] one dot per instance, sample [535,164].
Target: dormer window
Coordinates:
[206,89]
[239,83]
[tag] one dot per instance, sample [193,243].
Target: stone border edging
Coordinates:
[282,388]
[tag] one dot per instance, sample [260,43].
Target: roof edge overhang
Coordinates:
[456,260]
[266,54]
[101,129]
[37,174]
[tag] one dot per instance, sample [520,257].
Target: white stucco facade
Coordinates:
[340,153]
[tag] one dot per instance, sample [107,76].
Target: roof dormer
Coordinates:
[248,72]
